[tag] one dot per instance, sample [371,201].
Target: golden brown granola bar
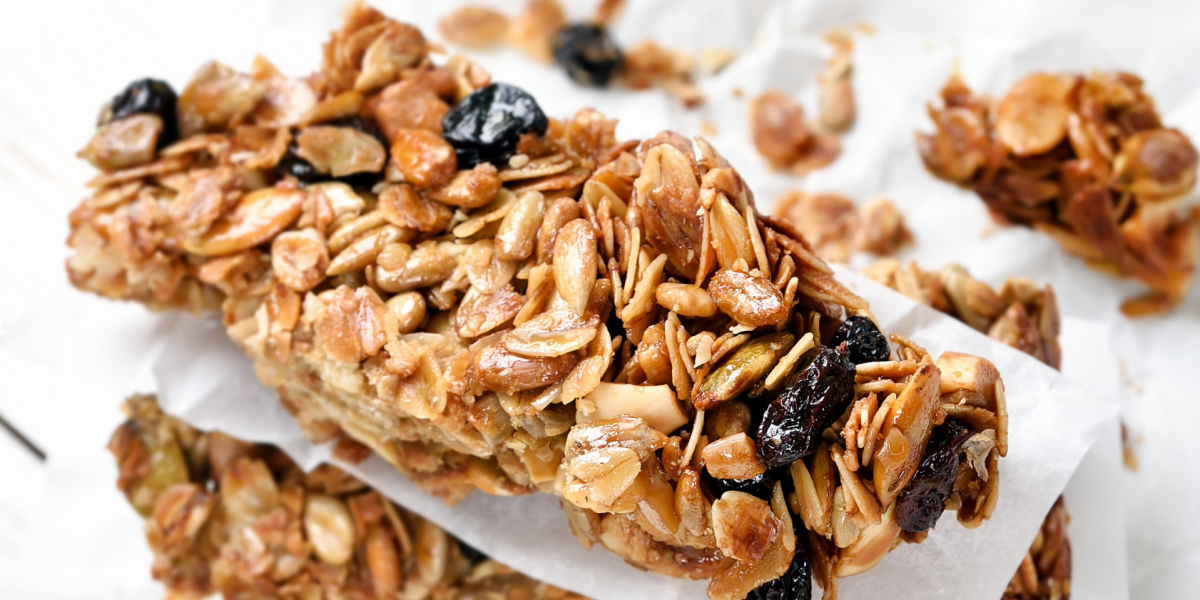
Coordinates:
[417,258]
[1085,159]
[242,520]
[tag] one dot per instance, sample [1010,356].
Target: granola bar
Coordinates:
[1085,159]
[1024,316]
[418,259]
[242,520]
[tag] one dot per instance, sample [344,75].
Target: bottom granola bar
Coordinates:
[241,519]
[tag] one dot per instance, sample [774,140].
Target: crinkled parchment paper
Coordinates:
[90,352]
[203,378]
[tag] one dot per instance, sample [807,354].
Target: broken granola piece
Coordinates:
[1086,160]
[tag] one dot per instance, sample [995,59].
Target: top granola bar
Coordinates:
[418,258]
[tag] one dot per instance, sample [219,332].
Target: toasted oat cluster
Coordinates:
[779,130]
[1024,317]
[419,259]
[1085,159]
[1019,314]
[834,227]
[240,519]
[585,51]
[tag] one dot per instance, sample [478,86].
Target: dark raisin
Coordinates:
[292,164]
[796,583]
[817,392]
[761,486]
[152,97]
[588,54]
[863,340]
[471,553]
[486,125]
[922,501]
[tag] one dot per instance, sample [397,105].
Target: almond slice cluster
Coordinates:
[1086,160]
[419,260]
[241,519]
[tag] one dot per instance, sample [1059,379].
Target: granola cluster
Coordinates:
[418,259]
[835,227]
[779,130]
[585,51]
[242,520]
[1025,317]
[1085,159]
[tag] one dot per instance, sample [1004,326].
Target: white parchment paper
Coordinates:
[205,379]
[65,358]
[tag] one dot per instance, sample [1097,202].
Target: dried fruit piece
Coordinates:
[149,97]
[588,53]
[815,394]
[486,125]
[864,342]
[922,501]
[796,584]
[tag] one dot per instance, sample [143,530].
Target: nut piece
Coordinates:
[685,299]
[475,27]
[299,259]
[256,218]
[655,404]
[402,206]
[330,529]
[340,151]
[1032,117]
[751,300]
[744,368]
[122,144]
[575,264]
[905,433]
[743,525]
[424,157]
[497,369]
[778,129]
[669,197]
[873,543]
[733,457]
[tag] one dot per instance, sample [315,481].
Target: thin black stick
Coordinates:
[20,437]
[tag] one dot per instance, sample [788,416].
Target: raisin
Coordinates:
[922,501]
[863,340]
[292,164]
[486,125]
[471,553]
[152,97]
[816,393]
[588,54]
[796,583]
[760,486]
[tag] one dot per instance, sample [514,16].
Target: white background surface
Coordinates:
[66,533]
